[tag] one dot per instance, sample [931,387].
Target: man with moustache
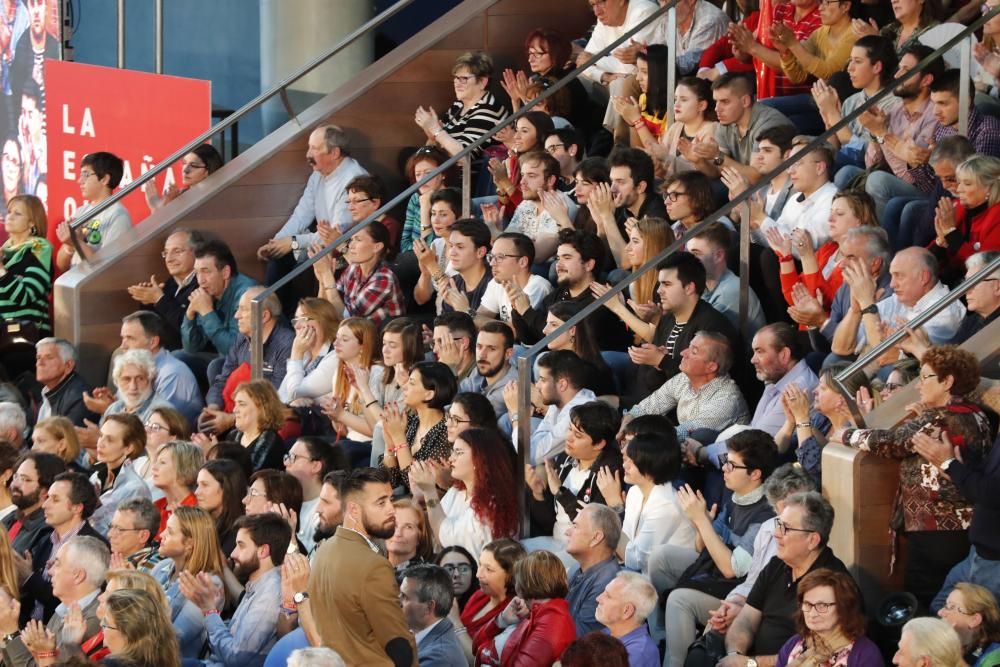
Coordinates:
[33,475]
[352,589]
[261,543]
[494,349]
[330,510]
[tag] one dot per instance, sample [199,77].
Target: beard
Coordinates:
[242,571]
[22,501]
[382,532]
[491,371]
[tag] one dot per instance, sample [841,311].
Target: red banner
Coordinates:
[138,116]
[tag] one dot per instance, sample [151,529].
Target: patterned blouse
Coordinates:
[927,499]
[434,445]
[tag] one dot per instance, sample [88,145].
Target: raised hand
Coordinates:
[862,28]
[74,626]
[798,402]
[780,244]
[627,108]
[803,242]
[323,267]
[647,355]
[147,293]
[552,476]
[555,205]
[944,219]
[807,309]
[394,423]
[492,216]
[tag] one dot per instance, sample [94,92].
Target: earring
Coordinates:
[34,231]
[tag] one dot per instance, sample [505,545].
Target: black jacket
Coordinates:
[543,512]
[66,400]
[979,484]
[611,333]
[33,529]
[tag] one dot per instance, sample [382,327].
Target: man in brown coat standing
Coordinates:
[353,589]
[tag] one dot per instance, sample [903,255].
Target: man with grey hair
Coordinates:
[278,337]
[426,596]
[13,422]
[62,387]
[323,202]
[767,620]
[688,608]
[77,573]
[315,657]
[591,541]
[703,394]
[914,280]
[622,608]
[135,376]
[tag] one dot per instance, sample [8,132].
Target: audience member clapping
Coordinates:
[195,168]
[970,224]
[544,627]
[471,514]
[417,224]
[694,119]
[431,255]
[133,535]
[355,348]
[416,430]
[647,115]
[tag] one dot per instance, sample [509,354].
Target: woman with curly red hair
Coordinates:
[470,514]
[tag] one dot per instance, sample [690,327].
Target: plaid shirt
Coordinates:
[376,297]
[785,13]
[717,405]
[984,133]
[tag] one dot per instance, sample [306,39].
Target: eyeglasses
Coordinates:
[461,568]
[104,625]
[254,493]
[891,386]
[156,428]
[673,196]
[290,458]
[818,607]
[194,166]
[956,609]
[782,528]
[499,257]
[551,148]
[538,53]
[84,175]
[118,529]
[729,466]
[463,79]
[925,378]
[296,321]
[452,419]
[358,201]
[174,252]
[23,479]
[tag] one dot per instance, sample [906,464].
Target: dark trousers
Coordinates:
[930,555]
[301,286]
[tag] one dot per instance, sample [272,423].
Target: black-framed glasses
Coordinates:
[673,196]
[550,149]
[104,625]
[729,466]
[452,419]
[194,166]
[461,568]
[358,201]
[782,528]
[818,607]
[499,256]
[290,457]
[459,78]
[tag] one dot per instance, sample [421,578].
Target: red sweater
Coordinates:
[816,281]
[969,237]
[722,50]
[538,641]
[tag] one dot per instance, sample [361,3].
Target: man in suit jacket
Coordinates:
[352,590]
[426,595]
[77,573]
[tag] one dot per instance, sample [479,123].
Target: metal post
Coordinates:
[158,38]
[671,58]
[523,427]
[466,165]
[964,103]
[257,334]
[121,34]
[745,274]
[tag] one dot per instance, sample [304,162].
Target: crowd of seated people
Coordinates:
[362,492]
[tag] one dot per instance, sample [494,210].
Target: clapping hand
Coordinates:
[294,575]
[426,119]
[39,640]
[807,309]
[647,355]
[601,203]
[610,485]
[498,170]
[147,293]
[453,296]
[555,205]
[825,96]
[944,219]
[200,590]
[98,401]
[515,85]
[803,242]
[782,36]
[780,243]
[863,28]
[615,304]
[394,423]
[552,476]
[798,402]
[693,504]
[627,108]
[74,626]
[492,216]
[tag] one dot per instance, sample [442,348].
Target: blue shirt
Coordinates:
[253,628]
[323,198]
[584,588]
[176,384]
[277,350]
[217,329]
[642,652]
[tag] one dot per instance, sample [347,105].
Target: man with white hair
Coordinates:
[278,338]
[77,573]
[623,608]
[426,596]
[928,642]
[315,657]
[914,281]
[62,387]
[13,421]
[591,540]
[135,376]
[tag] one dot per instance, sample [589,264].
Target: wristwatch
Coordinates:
[870,309]
[295,243]
[300,597]
[718,161]
[751,662]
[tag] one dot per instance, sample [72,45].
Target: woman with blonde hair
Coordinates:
[312,362]
[973,612]
[412,542]
[57,435]
[188,544]
[971,223]
[258,414]
[175,474]
[930,638]
[133,580]
[138,631]
[26,264]
[355,348]
[647,238]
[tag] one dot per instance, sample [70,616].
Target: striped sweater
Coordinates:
[26,286]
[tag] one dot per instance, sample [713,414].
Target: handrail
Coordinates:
[918,320]
[257,345]
[252,105]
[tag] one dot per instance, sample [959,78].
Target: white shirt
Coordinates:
[495,297]
[312,383]
[461,526]
[660,521]
[940,329]
[308,521]
[710,23]
[604,35]
[549,438]
[810,213]
[324,198]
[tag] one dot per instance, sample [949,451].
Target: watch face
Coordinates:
[298,598]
